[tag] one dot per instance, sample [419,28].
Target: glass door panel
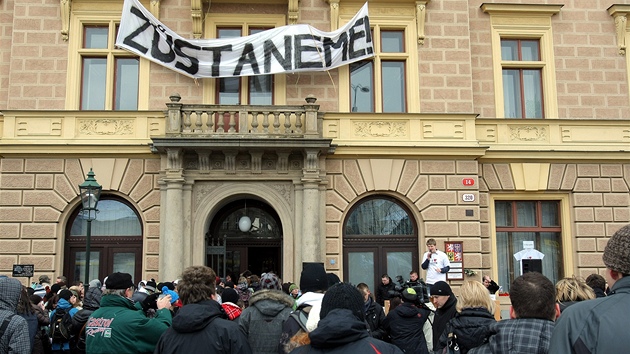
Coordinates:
[399,263]
[124,262]
[79,265]
[361,268]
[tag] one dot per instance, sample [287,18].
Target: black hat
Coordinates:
[167,284]
[65,294]
[313,278]
[441,288]
[617,251]
[409,295]
[229,284]
[229,295]
[118,281]
[150,285]
[343,296]
[332,279]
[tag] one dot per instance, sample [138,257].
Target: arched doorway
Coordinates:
[116,241]
[233,245]
[379,237]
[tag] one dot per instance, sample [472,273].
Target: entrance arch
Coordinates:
[250,234]
[278,196]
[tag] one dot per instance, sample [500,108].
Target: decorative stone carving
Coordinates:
[201,190]
[620,14]
[380,129]
[528,133]
[293,11]
[285,190]
[421,7]
[65,18]
[106,127]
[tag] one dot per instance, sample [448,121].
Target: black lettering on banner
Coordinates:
[364,32]
[329,43]
[270,48]
[194,62]
[248,51]
[155,46]
[129,39]
[216,57]
[299,49]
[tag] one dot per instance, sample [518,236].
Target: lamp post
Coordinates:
[355,88]
[90,194]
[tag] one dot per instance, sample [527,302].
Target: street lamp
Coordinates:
[90,194]
[355,88]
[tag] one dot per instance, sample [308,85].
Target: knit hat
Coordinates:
[332,279]
[343,296]
[617,251]
[55,288]
[229,295]
[167,284]
[313,278]
[118,281]
[65,294]
[95,283]
[409,295]
[229,284]
[441,288]
[44,279]
[270,281]
[293,287]
[150,285]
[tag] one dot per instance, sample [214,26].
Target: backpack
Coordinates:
[60,326]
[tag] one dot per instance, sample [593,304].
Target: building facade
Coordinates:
[497,128]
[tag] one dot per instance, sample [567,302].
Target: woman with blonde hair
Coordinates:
[572,290]
[470,327]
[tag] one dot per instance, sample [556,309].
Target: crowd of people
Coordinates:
[201,312]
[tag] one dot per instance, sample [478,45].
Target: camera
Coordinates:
[419,286]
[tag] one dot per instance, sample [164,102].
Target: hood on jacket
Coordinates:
[406,310]
[92,300]
[270,302]
[195,317]
[310,298]
[10,291]
[338,328]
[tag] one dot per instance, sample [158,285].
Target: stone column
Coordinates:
[172,234]
[313,244]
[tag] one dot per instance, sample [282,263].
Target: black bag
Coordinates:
[452,347]
[60,326]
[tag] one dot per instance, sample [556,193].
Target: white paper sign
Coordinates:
[295,48]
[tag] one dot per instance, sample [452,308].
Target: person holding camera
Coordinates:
[436,263]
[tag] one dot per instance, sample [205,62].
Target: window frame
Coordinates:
[246,22]
[81,18]
[525,22]
[564,213]
[382,18]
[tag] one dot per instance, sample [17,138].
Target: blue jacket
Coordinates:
[63,304]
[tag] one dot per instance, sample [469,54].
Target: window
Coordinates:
[523,61]
[100,76]
[254,90]
[385,82]
[528,230]
[116,242]
[380,236]
[522,78]
[260,87]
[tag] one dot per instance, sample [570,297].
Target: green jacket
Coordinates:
[120,327]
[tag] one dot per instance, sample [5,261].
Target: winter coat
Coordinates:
[65,305]
[383,292]
[518,336]
[292,331]
[16,338]
[595,326]
[43,322]
[471,326]
[203,327]
[375,316]
[341,332]
[119,324]
[441,318]
[91,303]
[404,326]
[262,320]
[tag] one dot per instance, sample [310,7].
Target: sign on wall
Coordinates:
[455,252]
[286,49]
[23,270]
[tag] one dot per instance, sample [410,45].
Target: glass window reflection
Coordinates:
[379,217]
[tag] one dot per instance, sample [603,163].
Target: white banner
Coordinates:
[280,50]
